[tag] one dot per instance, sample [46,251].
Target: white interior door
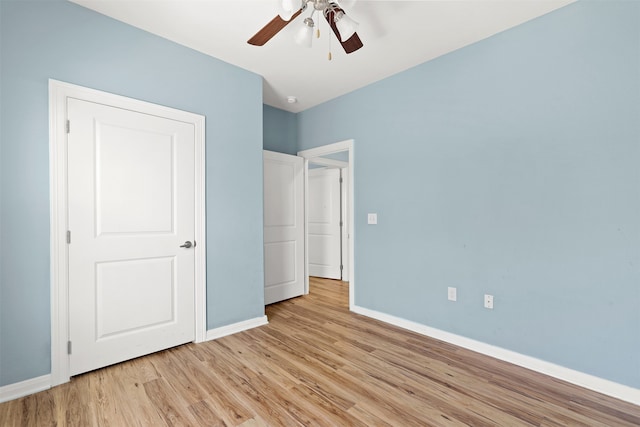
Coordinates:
[283,227]
[323,218]
[131,207]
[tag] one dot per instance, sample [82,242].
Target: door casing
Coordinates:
[324,150]
[58,94]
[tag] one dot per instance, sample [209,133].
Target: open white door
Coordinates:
[324,222]
[283,227]
[131,211]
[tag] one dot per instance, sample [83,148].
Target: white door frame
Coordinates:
[319,152]
[58,94]
[345,231]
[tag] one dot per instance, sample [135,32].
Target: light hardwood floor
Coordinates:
[317,364]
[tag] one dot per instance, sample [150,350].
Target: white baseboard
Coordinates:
[34,385]
[223,331]
[23,388]
[610,388]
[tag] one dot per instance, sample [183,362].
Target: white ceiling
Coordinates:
[396,35]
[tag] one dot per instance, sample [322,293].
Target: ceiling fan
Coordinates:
[343,27]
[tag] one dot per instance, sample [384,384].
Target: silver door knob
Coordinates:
[187,245]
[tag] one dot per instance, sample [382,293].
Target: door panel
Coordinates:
[280,271]
[134,175]
[283,227]
[156,293]
[324,223]
[131,206]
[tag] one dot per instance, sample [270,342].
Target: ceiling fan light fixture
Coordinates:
[286,9]
[342,26]
[319,4]
[345,25]
[304,36]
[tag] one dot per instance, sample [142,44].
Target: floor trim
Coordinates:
[35,385]
[234,328]
[610,388]
[24,388]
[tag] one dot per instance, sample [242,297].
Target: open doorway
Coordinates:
[336,157]
[327,225]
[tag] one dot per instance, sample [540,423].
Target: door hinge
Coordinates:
[68,237]
[341,267]
[68,126]
[341,224]
[340,180]
[68,347]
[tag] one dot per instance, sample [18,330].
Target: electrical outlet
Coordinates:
[372,218]
[488,301]
[452,294]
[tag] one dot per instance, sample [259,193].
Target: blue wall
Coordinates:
[63,41]
[280,130]
[510,167]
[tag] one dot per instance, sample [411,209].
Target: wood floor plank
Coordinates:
[76,404]
[318,364]
[170,406]
[132,395]
[176,372]
[329,390]
[309,372]
[206,415]
[240,383]
[332,413]
[103,393]
[224,404]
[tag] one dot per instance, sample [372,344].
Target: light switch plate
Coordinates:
[372,218]
[452,294]
[488,301]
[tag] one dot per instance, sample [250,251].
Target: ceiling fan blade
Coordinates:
[350,45]
[271,29]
